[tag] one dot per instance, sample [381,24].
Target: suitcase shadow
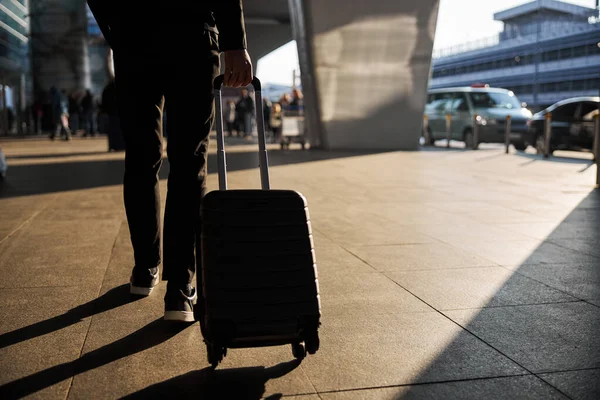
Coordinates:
[235,383]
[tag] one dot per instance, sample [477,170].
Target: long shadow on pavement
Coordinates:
[556,158]
[236,383]
[33,179]
[149,336]
[538,336]
[114,298]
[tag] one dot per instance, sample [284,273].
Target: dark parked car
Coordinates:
[572,125]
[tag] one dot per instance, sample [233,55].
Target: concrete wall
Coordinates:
[365,66]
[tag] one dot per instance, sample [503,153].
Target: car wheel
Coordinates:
[431,141]
[469,140]
[520,146]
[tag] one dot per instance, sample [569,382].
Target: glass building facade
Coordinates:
[98,56]
[15,79]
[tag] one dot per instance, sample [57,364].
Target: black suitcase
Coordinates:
[259,275]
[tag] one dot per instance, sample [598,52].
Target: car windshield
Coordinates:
[495,100]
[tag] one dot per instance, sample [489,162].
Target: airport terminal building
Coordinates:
[548,51]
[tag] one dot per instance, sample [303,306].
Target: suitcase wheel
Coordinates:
[312,342]
[215,354]
[298,350]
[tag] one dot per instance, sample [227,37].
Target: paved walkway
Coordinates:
[444,274]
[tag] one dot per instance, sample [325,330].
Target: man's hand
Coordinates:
[238,68]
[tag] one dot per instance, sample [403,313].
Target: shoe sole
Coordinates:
[182,316]
[143,290]
[140,291]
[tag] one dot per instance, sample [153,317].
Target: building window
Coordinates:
[565,53]
[592,84]
[548,87]
[593,49]
[579,51]
[579,85]
[521,60]
[564,86]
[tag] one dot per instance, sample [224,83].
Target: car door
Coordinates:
[562,118]
[461,115]
[436,112]
[585,124]
[430,112]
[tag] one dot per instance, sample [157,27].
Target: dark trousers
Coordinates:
[144,82]
[88,122]
[114,133]
[230,127]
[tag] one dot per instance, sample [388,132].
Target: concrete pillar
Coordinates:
[301,29]
[365,67]
[59,44]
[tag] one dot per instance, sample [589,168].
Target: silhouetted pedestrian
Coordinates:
[244,109]
[87,113]
[60,114]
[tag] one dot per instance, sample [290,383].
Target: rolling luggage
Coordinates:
[259,275]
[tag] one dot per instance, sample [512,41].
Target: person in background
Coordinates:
[37,110]
[296,99]
[3,166]
[229,117]
[285,100]
[245,112]
[60,114]
[87,114]
[74,110]
[267,113]
[276,122]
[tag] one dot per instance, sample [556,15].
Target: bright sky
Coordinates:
[459,21]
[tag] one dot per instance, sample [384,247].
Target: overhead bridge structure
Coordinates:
[365,64]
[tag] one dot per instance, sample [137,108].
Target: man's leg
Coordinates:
[90,123]
[248,124]
[57,130]
[66,130]
[189,126]
[139,104]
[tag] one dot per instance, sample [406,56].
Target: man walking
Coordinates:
[60,114]
[169,51]
[245,109]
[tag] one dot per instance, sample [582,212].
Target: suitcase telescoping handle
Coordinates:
[263,161]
